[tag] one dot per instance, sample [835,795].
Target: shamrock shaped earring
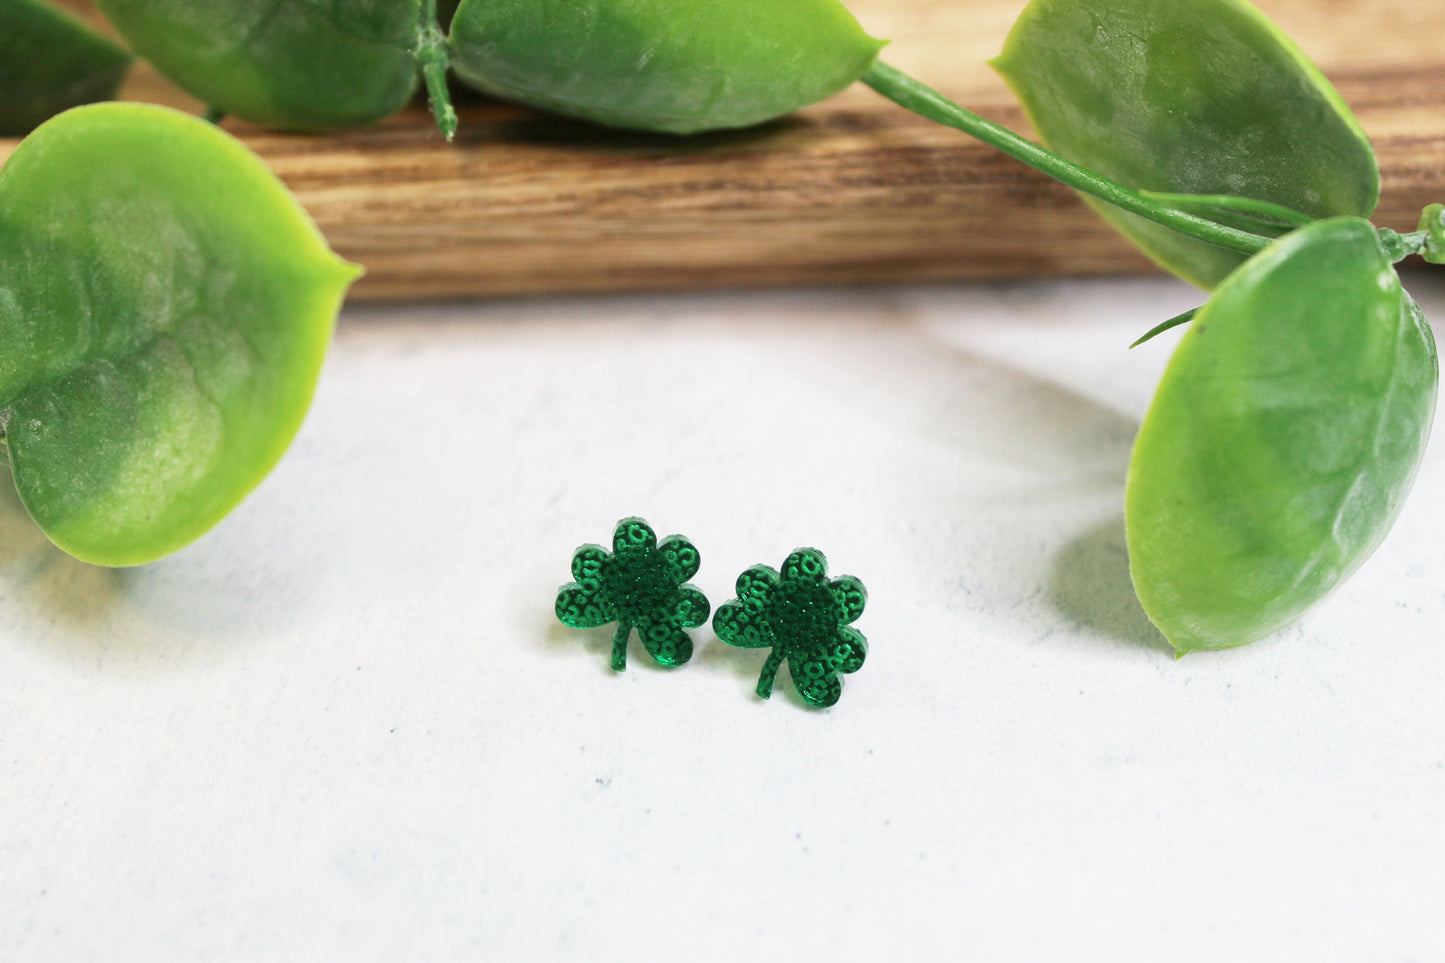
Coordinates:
[803,617]
[639,585]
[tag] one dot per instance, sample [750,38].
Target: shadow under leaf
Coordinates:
[1090,583]
[35,572]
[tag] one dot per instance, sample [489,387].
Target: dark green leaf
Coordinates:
[1200,97]
[679,66]
[49,62]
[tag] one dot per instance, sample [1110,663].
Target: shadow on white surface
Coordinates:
[167,615]
[710,654]
[347,724]
[40,576]
[744,664]
[1091,585]
[747,665]
[594,645]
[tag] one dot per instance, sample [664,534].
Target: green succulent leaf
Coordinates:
[293,64]
[1432,226]
[678,66]
[1201,97]
[165,306]
[1283,439]
[49,62]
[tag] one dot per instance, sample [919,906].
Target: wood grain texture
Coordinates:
[851,190]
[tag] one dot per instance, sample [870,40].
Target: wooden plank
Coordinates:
[851,190]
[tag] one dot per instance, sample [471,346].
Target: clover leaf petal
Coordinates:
[754,586]
[849,650]
[581,609]
[682,555]
[633,536]
[735,625]
[667,643]
[805,564]
[815,681]
[850,595]
[690,608]
[587,564]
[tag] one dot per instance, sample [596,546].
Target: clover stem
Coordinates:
[619,646]
[923,100]
[434,60]
[770,673]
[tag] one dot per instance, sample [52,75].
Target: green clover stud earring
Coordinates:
[803,617]
[639,585]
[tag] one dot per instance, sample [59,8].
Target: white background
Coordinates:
[346,724]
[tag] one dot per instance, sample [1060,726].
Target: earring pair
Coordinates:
[796,611]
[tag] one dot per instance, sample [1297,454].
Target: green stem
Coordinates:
[1256,214]
[1400,246]
[1159,329]
[619,646]
[434,60]
[770,673]
[927,102]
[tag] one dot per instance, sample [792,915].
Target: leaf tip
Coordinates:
[343,272]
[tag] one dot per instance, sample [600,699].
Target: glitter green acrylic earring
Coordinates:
[803,617]
[639,585]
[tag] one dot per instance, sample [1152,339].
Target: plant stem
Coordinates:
[619,646]
[1159,329]
[434,60]
[770,673]
[923,100]
[1253,213]
[1400,246]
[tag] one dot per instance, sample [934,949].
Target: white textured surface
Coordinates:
[345,725]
